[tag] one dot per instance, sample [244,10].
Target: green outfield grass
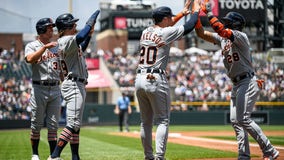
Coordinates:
[97,144]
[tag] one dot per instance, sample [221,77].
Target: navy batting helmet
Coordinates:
[234,20]
[159,13]
[41,25]
[65,21]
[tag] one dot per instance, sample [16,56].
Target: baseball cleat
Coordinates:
[274,155]
[57,158]
[35,157]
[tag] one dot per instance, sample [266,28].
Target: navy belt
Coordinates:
[241,77]
[82,80]
[47,83]
[151,71]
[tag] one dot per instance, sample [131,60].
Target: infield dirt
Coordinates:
[196,138]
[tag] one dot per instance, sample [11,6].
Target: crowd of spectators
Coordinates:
[14,91]
[199,77]
[192,78]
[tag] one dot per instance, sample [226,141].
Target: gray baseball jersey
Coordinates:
[236,56]
[46,95]
[73,89]
[154,93]
[238,62]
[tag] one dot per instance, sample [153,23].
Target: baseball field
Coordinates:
[106,143]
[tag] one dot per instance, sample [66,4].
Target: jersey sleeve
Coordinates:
[29,48]
[240,39]
[171,34]
[69,44]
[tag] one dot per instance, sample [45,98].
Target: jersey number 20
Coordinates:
[148,55]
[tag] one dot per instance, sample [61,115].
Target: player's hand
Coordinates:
[206,6]
[186,10]
[50,45]
[260,83]
[92,20]
[196,6]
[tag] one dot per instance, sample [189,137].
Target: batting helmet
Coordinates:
[159,13]
[234,20]
[41,25]
[65,21]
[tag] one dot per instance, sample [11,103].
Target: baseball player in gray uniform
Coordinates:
[71,47]
[246,88]
[152,89]
[46,95]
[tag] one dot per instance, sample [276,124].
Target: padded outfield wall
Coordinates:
[95,114]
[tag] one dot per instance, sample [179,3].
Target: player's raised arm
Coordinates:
[206,35]
[218,27]
[189,25]
[184,12]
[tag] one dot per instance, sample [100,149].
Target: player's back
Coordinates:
[155,46]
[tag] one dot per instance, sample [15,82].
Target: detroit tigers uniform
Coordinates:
[45,95]
[73,87]
[154,93]
[238,63]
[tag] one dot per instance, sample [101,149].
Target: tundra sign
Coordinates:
[252,10]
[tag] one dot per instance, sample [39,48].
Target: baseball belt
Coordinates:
[82,80]
[151,71]
[47,83]
[241,77]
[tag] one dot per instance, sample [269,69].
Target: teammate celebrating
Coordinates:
[73,89]
[238,63]
[46,95]
[151,83]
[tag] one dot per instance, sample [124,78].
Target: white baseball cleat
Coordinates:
[35,157]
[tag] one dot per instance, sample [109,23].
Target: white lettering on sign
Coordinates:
[139,22]
[241,4]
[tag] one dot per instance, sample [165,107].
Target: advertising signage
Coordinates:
[135,21]
[252,10]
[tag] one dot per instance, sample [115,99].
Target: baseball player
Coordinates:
[72,46]
[246,88]
[152,89]
[46,95]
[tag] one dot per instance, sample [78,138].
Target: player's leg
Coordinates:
[241,134]
[146,116]
[160,101]
[74,145]
[251,92]
[74,100]
[77,120]
[52,117]
[125,120]
[38,103]
[120,120]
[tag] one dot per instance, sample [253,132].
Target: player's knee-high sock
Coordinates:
[74,145]
[64,138]
[52,139]
[35,136]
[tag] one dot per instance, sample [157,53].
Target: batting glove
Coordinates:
[207,8]
[92,20]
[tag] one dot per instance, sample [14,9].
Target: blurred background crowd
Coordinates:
[192,77]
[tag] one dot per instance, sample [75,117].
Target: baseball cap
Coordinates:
[162,12]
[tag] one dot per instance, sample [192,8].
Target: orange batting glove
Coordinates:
[260,83]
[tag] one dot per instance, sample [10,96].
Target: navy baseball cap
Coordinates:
[162,12]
